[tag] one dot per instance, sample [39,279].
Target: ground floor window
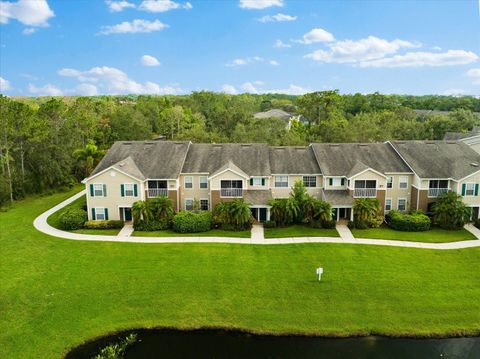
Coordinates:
[388,204]
[100,214]
[204,204]
[402,204]
[189,204]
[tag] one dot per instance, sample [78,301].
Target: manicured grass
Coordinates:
[434,235]
[211,233]
[299,231]
[56,293]
[54,218]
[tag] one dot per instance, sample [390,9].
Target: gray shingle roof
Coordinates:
[293,160]
[278,113]
[257,197]
[439,159]
[453,136]
[338,197]
[253,158]
[153,159]
[341,159]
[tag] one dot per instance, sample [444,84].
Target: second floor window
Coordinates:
[310,181]
[129,190]
[188,182]
[257,181]
[203,182]
[336,182]
[470,189]
[389,182]
[403,182]
[281,181]
[99,190]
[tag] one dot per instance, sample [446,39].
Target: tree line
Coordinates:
[51,142]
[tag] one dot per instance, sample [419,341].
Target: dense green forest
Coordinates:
[47,143]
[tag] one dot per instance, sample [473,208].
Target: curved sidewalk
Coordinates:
[40,223]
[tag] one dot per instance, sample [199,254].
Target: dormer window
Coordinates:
[257,181]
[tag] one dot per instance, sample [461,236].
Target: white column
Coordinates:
[268,214]
[338,213]
[351,214]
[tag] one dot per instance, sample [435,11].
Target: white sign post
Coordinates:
[319,273]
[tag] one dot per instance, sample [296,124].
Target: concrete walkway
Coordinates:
[40,223]
[344,232]
[126,231]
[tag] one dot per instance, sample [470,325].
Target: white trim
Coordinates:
[466,189]
[228,169]
[386,183]
[294,174]
[403,159]
[125,189]
[185,203]
[365,170]
[185,182]
[385,210]
[200,182]
[98,184]
[470,175]
[200,204]
[406,202]
[96,213]
[400,182]
[111,168]
[288,181]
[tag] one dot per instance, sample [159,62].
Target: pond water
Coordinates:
[229,344]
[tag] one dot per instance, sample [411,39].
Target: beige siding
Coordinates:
[113,201]
[395,192]
[196,193]
[369,176]
[470,200]
[227,175]
[285,192]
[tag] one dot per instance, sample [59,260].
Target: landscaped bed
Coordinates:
[56,293]
[210,233]
[299,231]
[434,235]
[54,219]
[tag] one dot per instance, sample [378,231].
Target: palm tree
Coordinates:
[309,209]
[90,156]
[366,209]
[239,213]
[322,211]
[292,210]
[450,212]
[141,209]
[161,207]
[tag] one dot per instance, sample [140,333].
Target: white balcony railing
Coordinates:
[157,192]
[231,192]
[437,192]
[364,192]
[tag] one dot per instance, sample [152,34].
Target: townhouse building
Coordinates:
[402,175]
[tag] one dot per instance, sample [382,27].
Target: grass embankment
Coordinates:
[299,231]
[57,293]
[211,233]
[434,235]
[54,218]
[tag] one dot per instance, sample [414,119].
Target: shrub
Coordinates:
[190,222]
[331,224]
[269,224]
[450,212]
[477,223]
[73,218]
[413,222]
[315,223]
[351,224]
[103,224]
[360,224]
[151,225]
[235,215]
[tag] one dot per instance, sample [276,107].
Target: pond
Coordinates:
[230,344]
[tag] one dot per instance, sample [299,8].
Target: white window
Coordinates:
[257,181]
[188,204]
[98,190]
[188,182]
[128,190]
[310,181]
[100,214]
[281,181]
[402,204]
[336,182]
[470,189]
[389,182]
[388,204]
[203,182]
[204,204]
[403,182]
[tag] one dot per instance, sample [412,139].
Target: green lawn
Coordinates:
[53,219]
[56,293]
[299,231]
[211,233]
[435,235]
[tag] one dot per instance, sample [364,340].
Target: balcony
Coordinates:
[231,192]
[365,192]
[157,192]
[437,192]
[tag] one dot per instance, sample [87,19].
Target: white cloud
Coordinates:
[279,17]
[85,90]
[455,92]
[249,87]
[28,12]
[162,5]
[229,89]
[418,59]
[279,44]
[237,62]
[254,87]
[273,63]
[259,4]
[135,26]
[148,60]
[475,74]
[350,51]
[250,60]
[437,48]
[114,81]
[4,84]
[47,90]
[29,30]
[117,6]
[316,35]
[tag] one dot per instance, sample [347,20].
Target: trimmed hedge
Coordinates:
[72,218]
[152,225]
[103,224]
[269,224]
[358,224]
[414,222]
[329,224]
[190,222]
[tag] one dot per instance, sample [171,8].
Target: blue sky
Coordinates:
[79,47]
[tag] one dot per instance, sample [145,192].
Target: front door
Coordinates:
[127,214]
[254,213]
[263,214]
